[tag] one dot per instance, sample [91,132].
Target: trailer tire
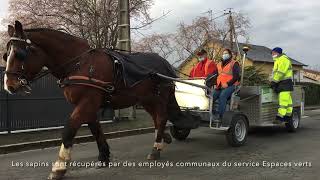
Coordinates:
[294,124]
[179,134]
[238,131]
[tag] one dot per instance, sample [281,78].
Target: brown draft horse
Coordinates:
[28,51]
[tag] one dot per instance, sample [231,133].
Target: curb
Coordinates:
[11,148]
[311,108]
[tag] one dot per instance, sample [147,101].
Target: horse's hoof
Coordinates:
[102,164]
[57,175]
[154,155]
[103,160]
[167,138]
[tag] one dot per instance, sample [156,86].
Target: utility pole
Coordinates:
[231,29]
[124,43]
[208,36]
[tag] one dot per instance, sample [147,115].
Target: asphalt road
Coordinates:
[270,153]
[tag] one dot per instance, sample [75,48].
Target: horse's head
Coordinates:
[24,60]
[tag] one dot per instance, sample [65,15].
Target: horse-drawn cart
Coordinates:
[249,106]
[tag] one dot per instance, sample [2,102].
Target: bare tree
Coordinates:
[94,20]
[3,40]
[156,43]
[189,37]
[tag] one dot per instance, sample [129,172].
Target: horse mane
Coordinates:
[44,30]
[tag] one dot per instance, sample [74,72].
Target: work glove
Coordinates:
[274,86]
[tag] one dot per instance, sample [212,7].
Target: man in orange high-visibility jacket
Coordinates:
[228,79]
[204,67]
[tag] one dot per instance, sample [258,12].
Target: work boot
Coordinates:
[217,118]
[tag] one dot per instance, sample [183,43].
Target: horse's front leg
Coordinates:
[59,168]
[84,111]
[104,153]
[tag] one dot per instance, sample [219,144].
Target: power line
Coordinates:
[212,13]
[218,17]
[218,12]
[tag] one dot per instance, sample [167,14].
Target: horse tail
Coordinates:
[173,108]
[181,119]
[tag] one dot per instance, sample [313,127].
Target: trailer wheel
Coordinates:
[238,131]
[179,133]
[293,125]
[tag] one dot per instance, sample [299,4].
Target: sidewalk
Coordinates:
[308,108]
[48,138]
[143,120]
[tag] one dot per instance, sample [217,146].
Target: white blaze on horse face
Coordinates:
[5,75]
[5,82]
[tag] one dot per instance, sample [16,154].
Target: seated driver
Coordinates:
[204,67]
[227,80]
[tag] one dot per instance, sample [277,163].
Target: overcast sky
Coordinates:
[293,25]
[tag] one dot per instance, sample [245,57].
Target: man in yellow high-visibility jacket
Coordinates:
[282,83]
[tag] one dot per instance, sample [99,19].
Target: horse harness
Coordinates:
[21,55]
[108,87]
[72,65]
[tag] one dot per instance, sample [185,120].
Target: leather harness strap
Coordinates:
[86,81]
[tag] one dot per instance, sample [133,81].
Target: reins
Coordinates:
[46,72]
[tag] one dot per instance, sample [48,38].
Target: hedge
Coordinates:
[312,93]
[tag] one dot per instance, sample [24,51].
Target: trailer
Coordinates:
[249,106]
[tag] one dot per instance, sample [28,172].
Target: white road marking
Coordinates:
[305,117]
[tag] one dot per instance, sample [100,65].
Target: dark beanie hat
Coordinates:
[277,49]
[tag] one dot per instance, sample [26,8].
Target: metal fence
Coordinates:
[44,108]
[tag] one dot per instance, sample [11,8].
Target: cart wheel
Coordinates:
[238,131]
[178,133]
[293,125]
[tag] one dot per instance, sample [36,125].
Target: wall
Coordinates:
[186,69]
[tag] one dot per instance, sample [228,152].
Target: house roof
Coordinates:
[310,78]
[257,53]
[263,54]
[312,71]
